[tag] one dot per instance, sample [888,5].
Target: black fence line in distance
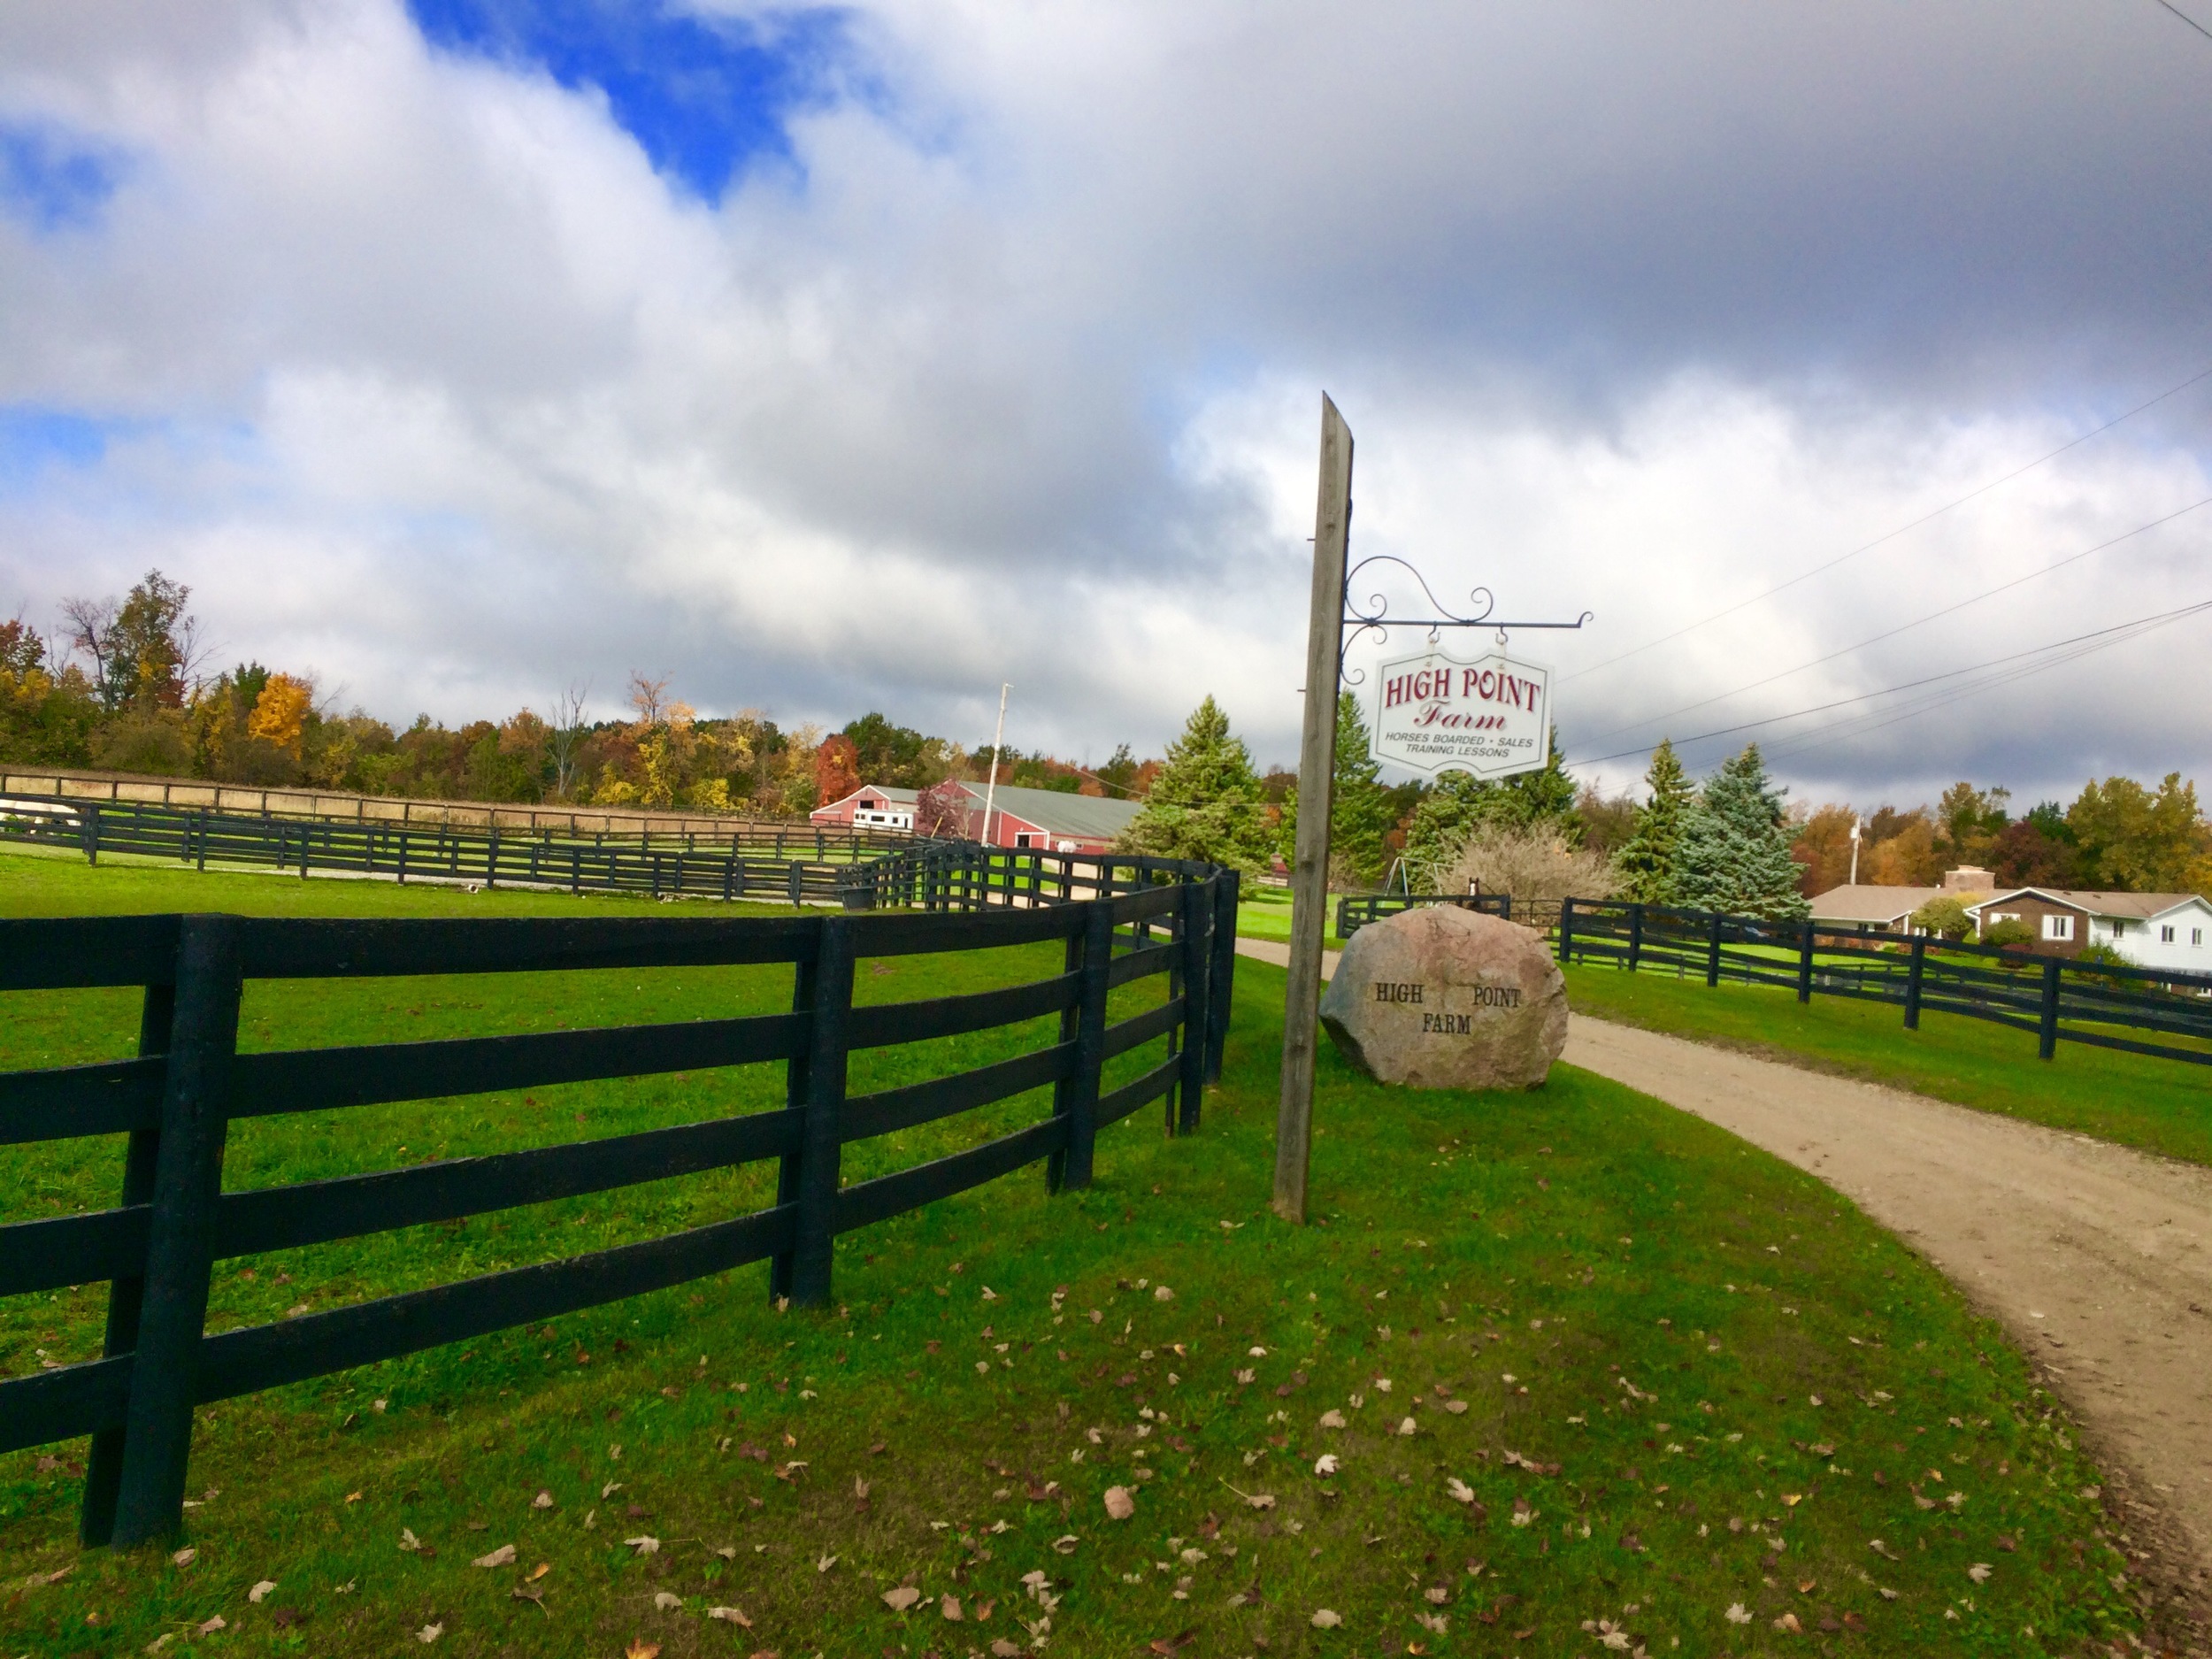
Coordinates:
[1127,919]
[2055,998]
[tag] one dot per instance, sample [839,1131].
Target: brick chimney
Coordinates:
[1968,878]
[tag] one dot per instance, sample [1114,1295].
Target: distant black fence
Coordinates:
[792,864]
[175,1101]
[2054,997]
[1354,910]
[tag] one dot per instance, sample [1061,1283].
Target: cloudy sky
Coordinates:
[866,357]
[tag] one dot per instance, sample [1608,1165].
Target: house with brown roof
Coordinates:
[2153,930]
[1861,907]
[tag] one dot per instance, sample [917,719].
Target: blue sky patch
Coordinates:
[50,181]
[702,95]
[32,438]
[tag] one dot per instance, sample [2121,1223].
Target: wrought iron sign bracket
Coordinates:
[1376,619]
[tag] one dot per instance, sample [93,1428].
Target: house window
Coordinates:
[1021,840]
[2058,927]
[2165,935]
[2196,936]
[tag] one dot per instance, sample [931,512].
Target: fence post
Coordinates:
[1197,908]
[817,1184]
[1712,950]
[104,1465]
[2047,1030]
[797,1071]
[1912,981]
[1223,990]
[91,833]
[187,1178]
[1077,1099]
[796,883]
[1635,935]
[1805,963]
[1566,933]
[491,861]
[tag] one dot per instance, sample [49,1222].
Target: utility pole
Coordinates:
[998,742]
[1855,822]
[1317,779]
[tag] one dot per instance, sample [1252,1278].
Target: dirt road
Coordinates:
[2098,1259]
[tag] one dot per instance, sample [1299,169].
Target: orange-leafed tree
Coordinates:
[836,768]
[941,809]
[280,713]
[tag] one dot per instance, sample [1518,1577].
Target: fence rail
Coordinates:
[61,785]
[784,863]
[1118,921]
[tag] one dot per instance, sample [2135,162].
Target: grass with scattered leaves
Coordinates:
[1556,1372]
[2162,1106]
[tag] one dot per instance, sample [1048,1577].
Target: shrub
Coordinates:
[1944,917]
[1534,863]
[2011,934]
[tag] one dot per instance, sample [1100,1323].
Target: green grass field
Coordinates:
[1606,1377]
[1263,913]
[2162,1106]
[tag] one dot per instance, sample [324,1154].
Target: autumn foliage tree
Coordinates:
[836,768]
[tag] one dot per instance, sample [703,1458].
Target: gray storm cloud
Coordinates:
[422,375]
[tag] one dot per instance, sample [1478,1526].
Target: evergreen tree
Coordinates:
[1361,811]
[1206,802]
[1733,854]
[1460,804]
[1646,860]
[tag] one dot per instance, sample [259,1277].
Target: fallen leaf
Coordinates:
[1979,1573]
[666,1602]
[1459,1491]
[949,1609]
[1325,1464]
[1260,1500]
[640,1649]
[1171,1644]
[158,1642]
[260,1590]
[543,1501]
[1737,1614]
[1066,1543]
[501,1557]
[429,1633]
[210,1626]
[899,1599]
[1325,1618]
[1455,1407]
[1120,1504]
[1332,1418]
[185,1557]
[731,1616]
[1406,1427]
[355,1497]
[1788,1622]
[1163,1294]
[1004,1649]
[286,1617]
[824,1563]
[644,1546]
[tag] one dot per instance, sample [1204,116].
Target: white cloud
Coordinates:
[1012,371]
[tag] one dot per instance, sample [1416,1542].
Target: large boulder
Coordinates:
[1441,998]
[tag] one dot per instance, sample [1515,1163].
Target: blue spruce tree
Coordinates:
[1733,855]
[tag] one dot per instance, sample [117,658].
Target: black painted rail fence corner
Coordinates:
[2093,1004]
[1121,921]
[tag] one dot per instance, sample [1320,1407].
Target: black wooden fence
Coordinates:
[175,1101]
[2093,1004]
[801,864]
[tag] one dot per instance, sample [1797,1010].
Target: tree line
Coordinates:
[123,685]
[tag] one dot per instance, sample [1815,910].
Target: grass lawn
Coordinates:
[1553,1373]
[2162,1106]
[1263,913]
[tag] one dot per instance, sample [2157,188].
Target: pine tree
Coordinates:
[1734,856]
[1646,860]
[1205,804]
[1360,809]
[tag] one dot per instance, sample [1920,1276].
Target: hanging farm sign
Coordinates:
[1434,713]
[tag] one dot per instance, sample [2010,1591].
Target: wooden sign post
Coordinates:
[1316,778]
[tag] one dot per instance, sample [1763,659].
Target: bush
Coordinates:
[1943,917]
[1534,863]
[2011,934]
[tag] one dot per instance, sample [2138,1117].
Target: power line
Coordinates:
[2185,17]
[2080,645]
[1905,628]
[1868,547]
